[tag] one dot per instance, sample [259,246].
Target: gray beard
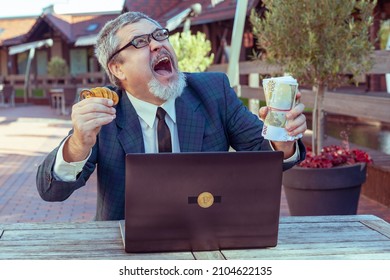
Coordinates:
[172,90]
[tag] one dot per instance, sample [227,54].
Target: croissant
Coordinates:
[100,92]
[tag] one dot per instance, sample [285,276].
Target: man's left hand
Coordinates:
[296,124]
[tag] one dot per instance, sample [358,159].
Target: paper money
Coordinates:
[280,93]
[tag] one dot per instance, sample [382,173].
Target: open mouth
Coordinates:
[163,66]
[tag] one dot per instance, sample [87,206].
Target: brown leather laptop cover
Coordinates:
[202,201]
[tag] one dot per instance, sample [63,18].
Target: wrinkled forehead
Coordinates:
[143,26]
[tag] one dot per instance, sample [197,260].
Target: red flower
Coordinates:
[332,156]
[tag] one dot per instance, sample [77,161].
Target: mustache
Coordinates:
[163,53]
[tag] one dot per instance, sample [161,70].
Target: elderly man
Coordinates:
[201,111]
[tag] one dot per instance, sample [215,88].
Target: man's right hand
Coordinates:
[88,116]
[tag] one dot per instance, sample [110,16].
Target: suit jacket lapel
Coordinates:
[130,135]
[190,123]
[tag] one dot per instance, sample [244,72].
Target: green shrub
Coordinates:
[37,92]
[384,33]
[193,51]
[19,92]
[57,67]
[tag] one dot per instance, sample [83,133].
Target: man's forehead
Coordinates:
[143,26]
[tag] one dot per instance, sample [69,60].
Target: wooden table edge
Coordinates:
[379,226]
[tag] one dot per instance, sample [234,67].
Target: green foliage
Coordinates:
[35,92]
[19,92]
[38,92]
[57,67]
[316,40]
[384,33]
[193,51]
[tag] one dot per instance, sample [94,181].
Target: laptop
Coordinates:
[201,201]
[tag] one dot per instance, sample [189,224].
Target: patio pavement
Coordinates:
[27,134]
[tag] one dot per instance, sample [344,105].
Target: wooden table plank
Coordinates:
[332,237]
[332,245]
[298,233]
[97,254]
[75,225]
[92,240]
[325,219]
[333,256]
[347,250]
[208,255]
[63,247]
[109,255]
[80,249]
[380,226]
[62,234]
[340,227]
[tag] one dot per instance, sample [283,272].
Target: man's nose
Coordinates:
[155,45]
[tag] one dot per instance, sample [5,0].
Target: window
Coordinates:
[92,27]
[78,61]
[41,61]
[21,60]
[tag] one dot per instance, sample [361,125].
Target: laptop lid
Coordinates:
[202,201]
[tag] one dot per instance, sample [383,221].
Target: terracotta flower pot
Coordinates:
[324,191]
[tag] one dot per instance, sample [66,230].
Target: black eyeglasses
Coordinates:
[144,40]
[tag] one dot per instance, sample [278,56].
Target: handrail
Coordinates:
[381,60]
[357,105]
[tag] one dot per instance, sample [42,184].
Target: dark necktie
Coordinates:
[163,133]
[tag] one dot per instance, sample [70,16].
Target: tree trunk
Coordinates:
[318,118]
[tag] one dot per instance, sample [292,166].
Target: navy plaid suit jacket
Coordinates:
[210,117]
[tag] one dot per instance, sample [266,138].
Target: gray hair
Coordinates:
[107,42]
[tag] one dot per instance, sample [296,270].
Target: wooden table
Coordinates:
[328,237]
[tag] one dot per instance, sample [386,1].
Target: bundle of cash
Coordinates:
[280,93]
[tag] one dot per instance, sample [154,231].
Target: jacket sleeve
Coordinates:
[51,189]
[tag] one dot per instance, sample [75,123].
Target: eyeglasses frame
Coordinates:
[131,43]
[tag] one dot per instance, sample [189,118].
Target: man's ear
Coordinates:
[116,70]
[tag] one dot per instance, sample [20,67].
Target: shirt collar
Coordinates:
[147,111]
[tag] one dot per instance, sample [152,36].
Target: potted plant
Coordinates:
[317,41]
[57,68]
[328,183]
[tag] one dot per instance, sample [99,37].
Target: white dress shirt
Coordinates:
[147,116]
